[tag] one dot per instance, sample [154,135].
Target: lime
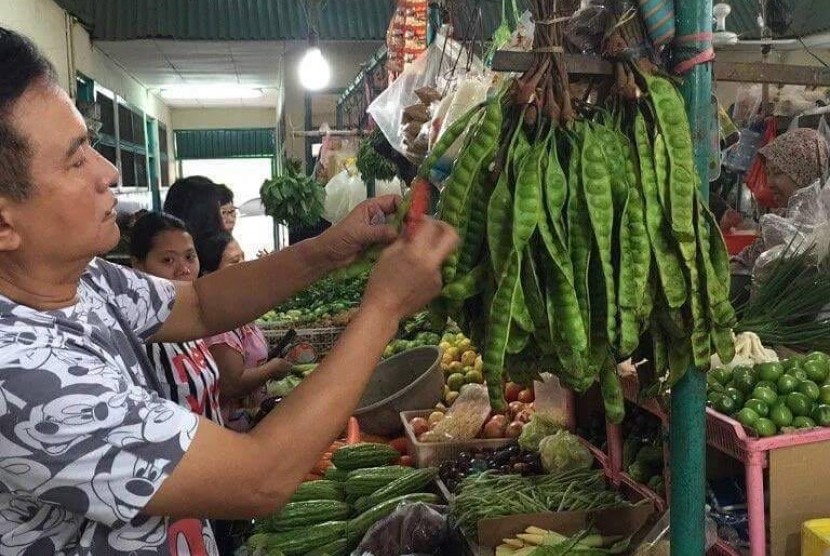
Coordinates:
[455,381]
[722,375]
[747,417]
[809,389]
[771,371]
[717,387]
[816,370]
[473,377]
[736,396]
[744,379]
[787,384]
[798,372]
[764,427]
[726,405]
[802,422]
[768,384]
[765,394]
[781,415]
[825,394]
[799,404]
[712,398]
[758,407]
[792,362]
[821,415]
[818,356]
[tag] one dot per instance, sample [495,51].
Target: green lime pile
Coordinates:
[772,398]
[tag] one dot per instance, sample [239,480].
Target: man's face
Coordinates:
[70,213]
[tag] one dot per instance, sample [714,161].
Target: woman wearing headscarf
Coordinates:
[793,161]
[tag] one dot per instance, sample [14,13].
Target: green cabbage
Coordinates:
[563,451]
[539,427]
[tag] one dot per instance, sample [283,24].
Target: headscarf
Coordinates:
[801,154]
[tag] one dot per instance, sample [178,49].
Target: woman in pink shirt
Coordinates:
[242,354]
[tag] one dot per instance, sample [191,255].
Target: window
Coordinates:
[107,114]
[125,124]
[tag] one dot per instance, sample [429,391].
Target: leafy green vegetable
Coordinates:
[564,452]
[293,198]
[371,164]
[539,427]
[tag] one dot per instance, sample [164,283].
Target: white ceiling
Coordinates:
[160,63]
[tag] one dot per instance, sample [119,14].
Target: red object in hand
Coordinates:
[756,178]
[420,204]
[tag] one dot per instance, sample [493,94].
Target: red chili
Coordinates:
[419,206]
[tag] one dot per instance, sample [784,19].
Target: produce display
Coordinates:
[508,460]
[583,238]
[542,542]
[325,303]
[293,198]
[642,455]
[775,397]
[331,516]
[488,494]
[416,331]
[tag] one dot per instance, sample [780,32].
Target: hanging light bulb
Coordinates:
[314,70]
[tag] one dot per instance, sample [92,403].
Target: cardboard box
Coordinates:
[613,521]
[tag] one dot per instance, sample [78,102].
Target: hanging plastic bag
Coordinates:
[388,187]
[343,192]
[443,63]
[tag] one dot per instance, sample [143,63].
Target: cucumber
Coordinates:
[364,482]
[299,542]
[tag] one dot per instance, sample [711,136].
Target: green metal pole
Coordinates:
[688,403]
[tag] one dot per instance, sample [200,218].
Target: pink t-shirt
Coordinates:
[250,342]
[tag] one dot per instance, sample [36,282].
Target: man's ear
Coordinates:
[10,239]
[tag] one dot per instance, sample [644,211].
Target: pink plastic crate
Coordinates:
[658,501]
[730,437]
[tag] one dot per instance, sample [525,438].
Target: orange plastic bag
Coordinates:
[756,178]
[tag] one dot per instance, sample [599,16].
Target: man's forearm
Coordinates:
[241,293]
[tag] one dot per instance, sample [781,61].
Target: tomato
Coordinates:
[787,384]
[419,426]
[526,395]
[758,407]
[817,371]
[799,404]
[495,427]
[744,379]
[747,417]
[821,415]
[736,396]
[765,394]
[781,415]
[771,371]
[802,422]
[764,427]
[511,391]
[514,429]
[809,389]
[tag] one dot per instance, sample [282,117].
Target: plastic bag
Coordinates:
[343,192]
[585,32]
[793,100]
[444,62]
[656,542]
[805,223]
[749,351]
[747,103]
[411,530]
[389,187]
[465,417]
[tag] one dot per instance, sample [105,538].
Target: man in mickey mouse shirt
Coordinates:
[92,459]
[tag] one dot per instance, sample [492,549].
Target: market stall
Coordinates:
[586,321]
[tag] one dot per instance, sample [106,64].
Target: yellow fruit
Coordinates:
[468,358]
[464,345]
[479,364]
[445,391]
[452,353]
[456,367]
[460,336]
[450,398]
[434,418]
[444,346]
